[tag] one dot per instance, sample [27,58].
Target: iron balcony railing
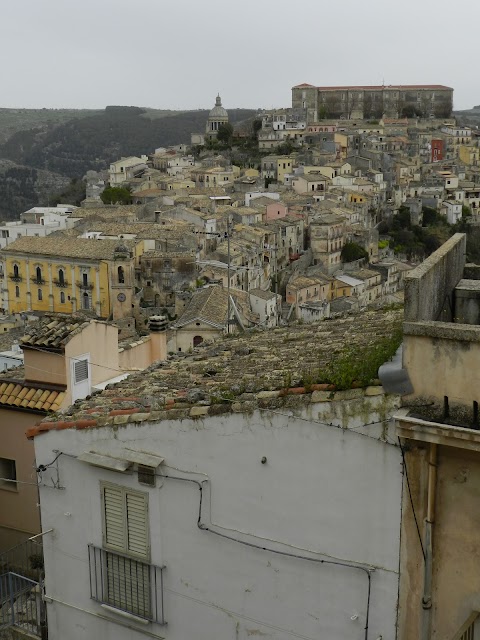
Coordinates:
[21,586]
[126,584]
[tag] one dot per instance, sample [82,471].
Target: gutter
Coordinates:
[429,522]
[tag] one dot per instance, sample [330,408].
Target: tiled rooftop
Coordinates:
[108,212]
[239,373]
[54,331]
[207,305]
[67,247]
[19,394]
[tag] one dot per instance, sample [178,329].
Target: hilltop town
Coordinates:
[300,213]
[207,417]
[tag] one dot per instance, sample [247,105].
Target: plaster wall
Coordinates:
[325,492]
[19,514]
[437,355]
[185,335]
[456,579]
[44,367]
[101,341]
[143,354]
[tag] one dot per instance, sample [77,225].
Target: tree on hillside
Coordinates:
[256,126]
[73,194]
[116,195]
[225,133]
[353,251]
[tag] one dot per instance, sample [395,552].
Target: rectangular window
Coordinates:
[8,474]
[125,531]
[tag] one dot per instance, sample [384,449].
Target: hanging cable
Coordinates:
[411,498]
[43,467]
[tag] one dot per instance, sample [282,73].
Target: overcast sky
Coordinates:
[178,54]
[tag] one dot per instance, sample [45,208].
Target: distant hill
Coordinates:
[468,117]
[14,120]
[67,143]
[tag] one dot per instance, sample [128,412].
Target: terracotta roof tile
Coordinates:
[239,373]
[207,305]
[22,395]
[54,331]
[86,248]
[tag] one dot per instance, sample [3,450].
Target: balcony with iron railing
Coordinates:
[85,285]
[127,585]
[38,281]
[15,278]
[22,609]
[60,283]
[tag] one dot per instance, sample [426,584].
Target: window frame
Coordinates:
[5,484]
[124,549]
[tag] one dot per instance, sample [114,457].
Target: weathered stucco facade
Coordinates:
[269,523]
[439,428]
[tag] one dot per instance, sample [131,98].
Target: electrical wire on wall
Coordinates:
[367,570]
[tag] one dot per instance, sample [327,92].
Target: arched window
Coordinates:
[197,340]
[17,292]
[62,297]
[39,294]
[38,274]
[121,275]
[85,301]
[61,277]
[15,271]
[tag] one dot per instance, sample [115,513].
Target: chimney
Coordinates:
[158,337]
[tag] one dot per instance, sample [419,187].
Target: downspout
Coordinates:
[429,521]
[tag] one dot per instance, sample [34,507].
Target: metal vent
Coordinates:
[146,475]
[81,371]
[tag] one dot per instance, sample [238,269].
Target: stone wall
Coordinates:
[429,287]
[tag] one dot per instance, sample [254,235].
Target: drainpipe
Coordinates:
[429,520]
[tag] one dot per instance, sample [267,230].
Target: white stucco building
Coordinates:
[227,526]
[38,221]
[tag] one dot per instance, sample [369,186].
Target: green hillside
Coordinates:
[67,143]
[94,141]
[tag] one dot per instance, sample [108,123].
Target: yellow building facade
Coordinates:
[469,154]
[65,275]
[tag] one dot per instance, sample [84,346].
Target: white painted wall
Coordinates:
[325,492]
[268,310]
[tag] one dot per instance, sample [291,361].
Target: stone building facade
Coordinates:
[373,101]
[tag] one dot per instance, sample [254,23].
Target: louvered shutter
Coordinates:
[114,518]
[81,371]
[137,524]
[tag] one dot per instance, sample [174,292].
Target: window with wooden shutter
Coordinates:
[125,520]
[127,579]
[137,531]
[114,518]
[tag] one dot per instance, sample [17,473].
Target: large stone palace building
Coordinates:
[394,101]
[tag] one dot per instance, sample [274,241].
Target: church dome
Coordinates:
[218,111]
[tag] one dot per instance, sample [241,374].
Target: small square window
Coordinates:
[8,474]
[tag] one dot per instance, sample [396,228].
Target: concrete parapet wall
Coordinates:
[443,360]
[429,287]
